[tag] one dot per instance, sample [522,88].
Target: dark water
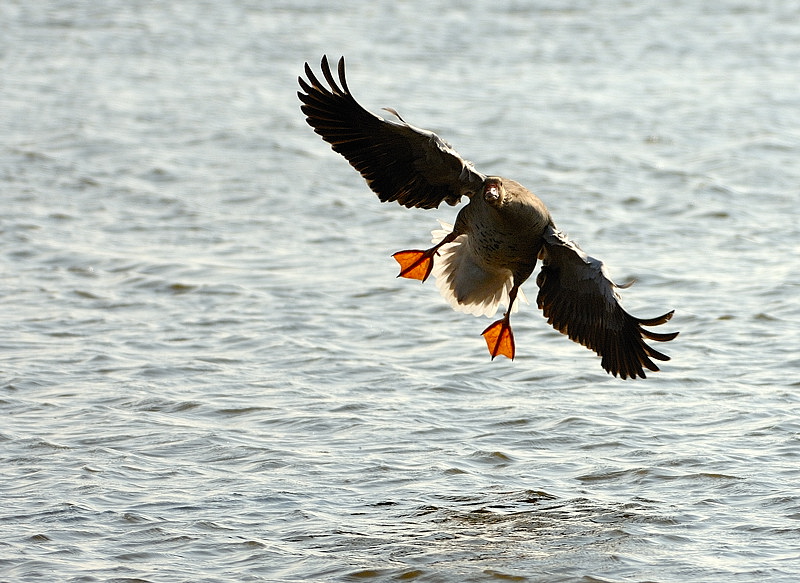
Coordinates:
[210,373]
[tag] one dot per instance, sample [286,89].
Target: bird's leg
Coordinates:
[416,264]
[499,337]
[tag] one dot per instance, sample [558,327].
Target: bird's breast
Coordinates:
[509,236]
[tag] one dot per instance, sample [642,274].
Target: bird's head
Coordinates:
[493,191]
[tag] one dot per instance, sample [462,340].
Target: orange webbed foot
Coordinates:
[500,338]
[415,264]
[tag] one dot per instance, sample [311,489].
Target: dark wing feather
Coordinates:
[579,300]
[399,162]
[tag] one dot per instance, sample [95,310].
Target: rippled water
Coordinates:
[210,372]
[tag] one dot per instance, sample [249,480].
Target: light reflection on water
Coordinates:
[210,371]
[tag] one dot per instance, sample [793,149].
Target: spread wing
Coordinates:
[400,163]
[579,300]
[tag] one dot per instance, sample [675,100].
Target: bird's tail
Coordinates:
[466,282]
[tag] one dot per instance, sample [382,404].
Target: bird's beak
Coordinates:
[491,193]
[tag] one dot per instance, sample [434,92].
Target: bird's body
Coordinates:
[501,242]
[494,245]
[508,232]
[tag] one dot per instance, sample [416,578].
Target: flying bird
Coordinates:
[482,260]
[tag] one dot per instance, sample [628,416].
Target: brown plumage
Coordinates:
[481,261]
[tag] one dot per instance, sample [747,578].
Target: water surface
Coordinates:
[210,372]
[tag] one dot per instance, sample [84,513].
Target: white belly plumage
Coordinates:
[468,283]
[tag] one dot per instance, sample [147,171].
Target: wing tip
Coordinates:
[657,321]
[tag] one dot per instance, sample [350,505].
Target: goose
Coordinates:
[482,260]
